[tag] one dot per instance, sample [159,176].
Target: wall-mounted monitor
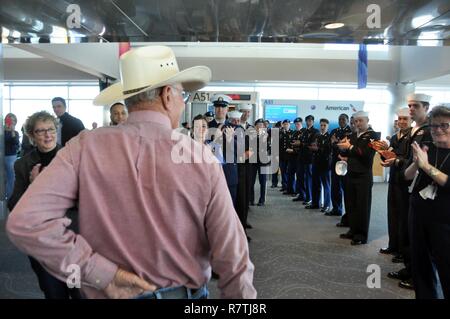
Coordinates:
[275,112]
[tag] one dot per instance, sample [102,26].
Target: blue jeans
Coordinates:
[10,177]
[201,293]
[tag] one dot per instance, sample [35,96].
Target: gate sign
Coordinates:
[241,97]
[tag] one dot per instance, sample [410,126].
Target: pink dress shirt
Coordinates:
[168,222]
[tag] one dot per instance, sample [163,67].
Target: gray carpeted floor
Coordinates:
[297,254]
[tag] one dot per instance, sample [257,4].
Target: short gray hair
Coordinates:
[440,111]
[146,96]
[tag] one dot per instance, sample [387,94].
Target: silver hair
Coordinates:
[146,96]
[439,111]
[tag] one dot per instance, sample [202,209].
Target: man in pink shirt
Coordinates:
[149,219]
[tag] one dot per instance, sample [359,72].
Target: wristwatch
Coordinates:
[433,171]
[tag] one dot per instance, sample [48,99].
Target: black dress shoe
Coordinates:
[356,242]
[260,204]
[331,213]
[298,199]
[325,209]
[341,224]
[397,259]
[288,193]
[306,203]
[399,275]
[346,235]
[273,186]
[386,251]
[406,284]
[248,226]
[249,239]
[282,189]
[311,207]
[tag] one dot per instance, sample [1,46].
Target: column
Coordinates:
[3,208]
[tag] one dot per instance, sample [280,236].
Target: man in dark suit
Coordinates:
[69,126]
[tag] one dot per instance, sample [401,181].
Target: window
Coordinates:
[24,99]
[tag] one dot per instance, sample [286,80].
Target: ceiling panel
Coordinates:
[403,22]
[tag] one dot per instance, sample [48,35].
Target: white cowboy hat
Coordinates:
[341,168]
[148,68]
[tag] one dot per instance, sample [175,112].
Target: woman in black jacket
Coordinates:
[429,212]
[41,129]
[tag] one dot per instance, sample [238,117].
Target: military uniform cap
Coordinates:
[259,121]
[286,121]
[245,107]
[360,114]
[221,100]
[419,97]
[234,115]
[404,111]
[298,119]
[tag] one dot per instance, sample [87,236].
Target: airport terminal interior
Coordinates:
[275,63]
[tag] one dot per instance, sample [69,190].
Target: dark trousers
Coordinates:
[345,220]
[242,194]
[233,192]
[398,200]
[257,170]
[321,180]
[292,167]
[337,191]
[430,249]
[275,179]
[300,180]
[284,174]
[359,187]
[52,287]
[307,170]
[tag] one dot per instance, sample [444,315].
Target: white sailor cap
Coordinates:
[221,100]
[234,115]
[360,114]
[245,107]
[404,111]
[419,97]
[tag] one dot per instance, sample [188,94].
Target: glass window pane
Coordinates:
[38,92]
[83,92]
[24,108]
[378,115]
[5,92]
[86,112]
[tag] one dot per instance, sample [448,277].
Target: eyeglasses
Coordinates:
[442,126]
[42,132]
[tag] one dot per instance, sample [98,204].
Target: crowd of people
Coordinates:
[91,204]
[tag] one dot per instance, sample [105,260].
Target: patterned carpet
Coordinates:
[297,254]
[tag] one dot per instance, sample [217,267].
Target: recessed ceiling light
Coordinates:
[336,25]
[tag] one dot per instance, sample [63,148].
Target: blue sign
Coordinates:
[275,113]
